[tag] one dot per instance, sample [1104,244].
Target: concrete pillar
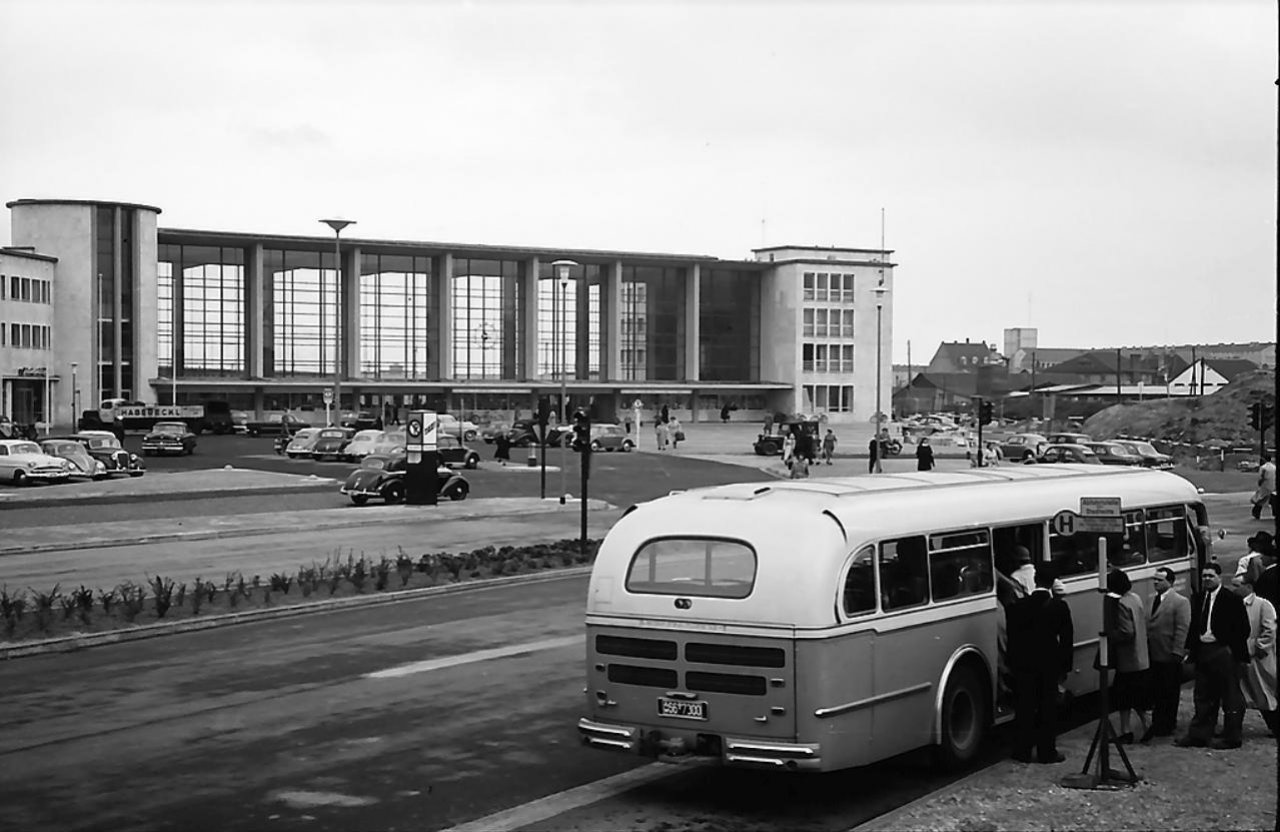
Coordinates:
[253,311]
[508,358]
[692,305]
[582,328]
[117,307]
[349,300]
[611,321]
[529,345]
[444,317]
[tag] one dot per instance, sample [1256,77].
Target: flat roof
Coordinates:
[28,253]
[96,202]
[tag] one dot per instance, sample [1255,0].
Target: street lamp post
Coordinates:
[337,225]
[75,395]
[562,268]
[880,292]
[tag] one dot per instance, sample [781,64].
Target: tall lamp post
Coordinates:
[337,226]
[880,291]
[562,268]
[75,397]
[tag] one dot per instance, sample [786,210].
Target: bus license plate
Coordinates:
[682,708]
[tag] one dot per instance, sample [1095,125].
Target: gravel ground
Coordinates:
[1180,789]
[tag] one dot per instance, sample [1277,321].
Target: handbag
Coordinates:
[1260,496]
[679,436]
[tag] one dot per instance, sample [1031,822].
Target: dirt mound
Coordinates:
[1220,418]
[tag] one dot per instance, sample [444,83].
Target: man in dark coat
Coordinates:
[1217,643]
[1040,655]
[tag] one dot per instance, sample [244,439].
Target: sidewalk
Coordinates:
[213,482]
[1180,789]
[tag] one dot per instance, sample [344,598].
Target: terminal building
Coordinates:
[97,301]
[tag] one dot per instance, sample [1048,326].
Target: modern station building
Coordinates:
[98,302]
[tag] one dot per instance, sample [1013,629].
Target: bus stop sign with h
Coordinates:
[422,458]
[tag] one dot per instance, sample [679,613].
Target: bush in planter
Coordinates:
[11,608]
[161,595]
[44,602]
[84,601]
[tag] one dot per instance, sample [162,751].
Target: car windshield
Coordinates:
[367,436]
[374,463]
[24,448]
[334,434]
[104,443]
[63,448]
[444,440]
[1144,448]
[170,427]
[305,434]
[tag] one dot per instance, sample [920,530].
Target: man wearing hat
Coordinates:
[1262,553]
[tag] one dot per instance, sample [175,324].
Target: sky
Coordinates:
[1104,172]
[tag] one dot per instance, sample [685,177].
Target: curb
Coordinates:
[7,504]
[67,644]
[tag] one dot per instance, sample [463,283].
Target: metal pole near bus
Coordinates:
[1103,776]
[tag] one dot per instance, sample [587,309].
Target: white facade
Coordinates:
[30,372]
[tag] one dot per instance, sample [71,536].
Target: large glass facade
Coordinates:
[300,305]
[396,338]
[164,312]
[200,310]
[653,330]
[113,249]
[729,325]
[486,320]
[570,328]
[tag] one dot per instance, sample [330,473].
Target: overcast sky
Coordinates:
[1104,172]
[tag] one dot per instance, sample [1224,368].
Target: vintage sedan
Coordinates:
[465,428]
[169,438]
[610,437]
[299,447]
[331,443]
[1023,447]
[82,464]
[1113,453]
[490,433]
[1151,458]
[365,442]
[1069,438]
[280,424]
[381,476]
[1078,454]
[22,463]
[453,453]
[105,445]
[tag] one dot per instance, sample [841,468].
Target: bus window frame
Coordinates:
[691,589]
[842,612]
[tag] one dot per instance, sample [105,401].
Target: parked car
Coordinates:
[769,444]
[490,433]
[1151,458]
[82,464]
[276,424]
[1069,453]
[1114,453]
[106,446]
[450,424]
[239,422]
[381,476]
[452,452]
[169,438]
[610,437]
[365,442]
[22,462]
[299,447]
[331,443]
[525,432]
[1022,447]
[363,420]
[1069,438]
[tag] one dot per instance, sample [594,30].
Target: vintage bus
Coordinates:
[814,625]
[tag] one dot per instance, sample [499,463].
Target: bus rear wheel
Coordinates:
[964,719]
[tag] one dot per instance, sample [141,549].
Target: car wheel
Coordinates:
[359,499]
[458,492]
[136,473]
[472,462]
[19,478]
[595,445]
[469,436]
[964,718]
[628,445]
[767,449]
[394,493]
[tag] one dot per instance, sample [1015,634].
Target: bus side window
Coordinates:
[1133,544]
[860,583]
[1167,533]
[904,573]
[960,563]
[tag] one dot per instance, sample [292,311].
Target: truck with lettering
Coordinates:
[122,414]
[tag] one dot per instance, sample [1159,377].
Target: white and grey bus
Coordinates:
[820,624]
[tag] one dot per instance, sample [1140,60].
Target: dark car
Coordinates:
[169,438]
[331,443]
[1113,453]
[770,442]
[105,446]
[276,424]
[381,476]
[453,453]
[1023,447]
[525,432]
[364,420]
[1151,458]
[1069,438]
[1078,454]
[82,463]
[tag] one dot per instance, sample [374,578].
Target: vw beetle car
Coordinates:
[365,442]
[169,438]
[105,445]
[452,452]
[1079,454]
[610,437]
[22,462]
[381,476]
[1114,453]
[299,447]
[82,464]
[331,443]
[1023,447]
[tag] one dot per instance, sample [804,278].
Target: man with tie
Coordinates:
[1217,643]
[1167,626]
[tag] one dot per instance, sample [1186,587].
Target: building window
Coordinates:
[820,323]
[821,294]
[846,330]
[808,323]
[809,279]
[395,311]
[848,288]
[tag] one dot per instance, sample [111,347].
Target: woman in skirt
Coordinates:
[1127,642]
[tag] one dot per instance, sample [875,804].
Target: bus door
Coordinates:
[1006,541]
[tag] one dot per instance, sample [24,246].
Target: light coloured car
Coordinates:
[22,462]
[82,463]
[365,442]
[1023,447]
[610,437]
[468,430]
[299,446]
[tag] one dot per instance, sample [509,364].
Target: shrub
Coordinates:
[132,600]
[11,608]
[68,604]
[44,602]
[197,595]
[358,575]
[161,595]
[106,597]
[335,581]
[182,596]
[84,600]
[281,583]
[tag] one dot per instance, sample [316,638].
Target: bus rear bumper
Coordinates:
[677,746]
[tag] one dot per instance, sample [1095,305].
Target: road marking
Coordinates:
[557,804]
[478,656]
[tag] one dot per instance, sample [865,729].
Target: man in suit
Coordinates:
[1040,655]
[1217,643]
[1168,623]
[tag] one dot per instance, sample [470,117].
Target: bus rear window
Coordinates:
[706,567]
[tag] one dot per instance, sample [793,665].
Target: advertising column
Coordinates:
[422,458]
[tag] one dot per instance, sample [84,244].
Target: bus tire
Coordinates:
[965,717]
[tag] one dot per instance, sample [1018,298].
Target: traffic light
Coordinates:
[581,430]
[985,412]
[544,411]
[1260,415]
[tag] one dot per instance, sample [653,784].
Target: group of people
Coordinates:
[801,449]
[667,430]
[1226,633]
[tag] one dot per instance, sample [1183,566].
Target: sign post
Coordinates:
[1100,515]
[635,420]
[422,458]
[328,403]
